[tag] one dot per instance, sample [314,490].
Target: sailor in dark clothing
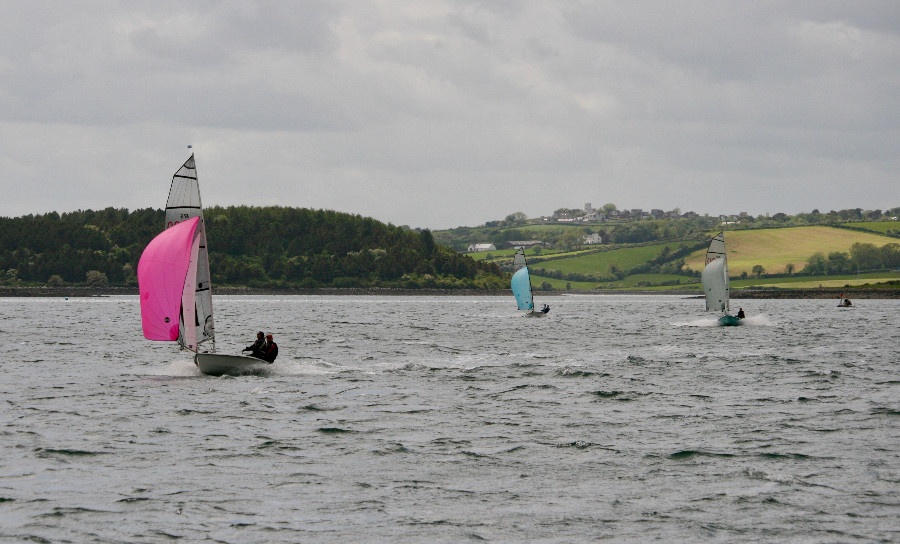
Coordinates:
[269,350]
[740,314]
[256,347]
[545,309]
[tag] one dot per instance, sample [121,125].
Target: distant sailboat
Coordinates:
[174,280]
[715,280]
[521,286]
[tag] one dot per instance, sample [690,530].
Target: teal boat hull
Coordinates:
[729,321]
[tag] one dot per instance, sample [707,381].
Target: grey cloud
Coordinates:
[389,108]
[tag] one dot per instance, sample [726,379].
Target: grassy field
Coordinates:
[805,282]
[635,281]
[598,263]
[560,284]
[775,248]
[501,254]
[877,226]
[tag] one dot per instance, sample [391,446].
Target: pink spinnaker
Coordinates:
[162,272]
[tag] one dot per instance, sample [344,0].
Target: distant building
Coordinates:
[587,207]
[593,239]
[525,244]
[474,248]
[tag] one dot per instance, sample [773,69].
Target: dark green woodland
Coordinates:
[269,247]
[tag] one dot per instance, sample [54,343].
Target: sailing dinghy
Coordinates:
[715,281]
[173,279]
[521,286]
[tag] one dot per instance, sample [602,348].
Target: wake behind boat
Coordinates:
[714,278]
[174,281]
[521,286]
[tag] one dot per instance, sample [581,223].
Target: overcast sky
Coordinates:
[445,113]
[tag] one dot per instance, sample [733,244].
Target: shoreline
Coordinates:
[749,293]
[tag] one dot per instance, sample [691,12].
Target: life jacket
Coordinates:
[271,353]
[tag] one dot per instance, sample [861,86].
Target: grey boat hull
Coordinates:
[217,364]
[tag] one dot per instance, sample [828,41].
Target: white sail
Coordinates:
[184,195]
[716,248]
[197,328]
[715,275]
[715,284]
[519,260]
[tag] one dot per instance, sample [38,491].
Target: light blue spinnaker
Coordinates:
[521,288]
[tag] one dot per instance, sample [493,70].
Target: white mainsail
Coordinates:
[519,260]
[715,275]
[197,327]
[716,248]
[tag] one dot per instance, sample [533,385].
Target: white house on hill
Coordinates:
[593,239]
[481,247]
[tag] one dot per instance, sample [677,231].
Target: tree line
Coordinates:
[274,247]
[862,257]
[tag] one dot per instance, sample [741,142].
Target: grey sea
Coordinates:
[454,419]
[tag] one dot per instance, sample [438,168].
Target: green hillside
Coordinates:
[599,264]
[677,264]
[774,249]
[879,227]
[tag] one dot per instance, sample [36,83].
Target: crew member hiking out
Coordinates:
[269,350]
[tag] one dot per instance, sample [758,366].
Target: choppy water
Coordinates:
[628,418]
